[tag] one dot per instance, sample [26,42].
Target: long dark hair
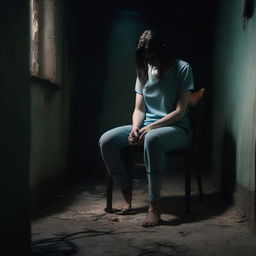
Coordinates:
[157,42]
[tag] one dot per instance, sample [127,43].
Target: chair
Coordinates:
[190,154]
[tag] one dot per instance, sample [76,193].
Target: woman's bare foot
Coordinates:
[125,208]
[127,204]
[153,215]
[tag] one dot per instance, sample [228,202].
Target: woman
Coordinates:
[159,120]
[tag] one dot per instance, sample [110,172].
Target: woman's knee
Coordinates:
[114,138]
[106,139]
[151,140]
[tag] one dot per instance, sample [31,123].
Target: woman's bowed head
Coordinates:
[159,121]
[153,49]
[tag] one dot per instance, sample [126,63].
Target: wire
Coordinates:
[61,245]
[53,247]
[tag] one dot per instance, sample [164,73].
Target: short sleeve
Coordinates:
[138,86]
[186,80]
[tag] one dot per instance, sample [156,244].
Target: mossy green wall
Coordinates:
[234,95]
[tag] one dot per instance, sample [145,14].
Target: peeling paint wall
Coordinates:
[234,94]
[49,119]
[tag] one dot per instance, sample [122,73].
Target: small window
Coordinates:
[43,42]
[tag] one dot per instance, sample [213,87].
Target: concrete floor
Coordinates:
[74,223]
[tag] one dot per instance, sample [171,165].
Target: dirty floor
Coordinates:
[74,223]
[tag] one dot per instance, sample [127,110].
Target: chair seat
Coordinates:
[184,152]
[179,151]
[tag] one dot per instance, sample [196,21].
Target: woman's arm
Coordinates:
[175,115]
[137,118]
[139,111]
[171,118]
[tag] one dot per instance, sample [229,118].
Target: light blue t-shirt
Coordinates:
[161,95]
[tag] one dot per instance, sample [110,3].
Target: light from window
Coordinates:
[43,43]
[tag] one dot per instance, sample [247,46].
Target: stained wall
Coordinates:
[234,104]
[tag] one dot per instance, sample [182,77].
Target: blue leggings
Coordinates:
[156,143]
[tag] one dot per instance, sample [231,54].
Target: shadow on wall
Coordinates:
[103,94]
[228,166]
[87,92]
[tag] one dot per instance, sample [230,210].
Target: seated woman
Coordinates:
[159,122]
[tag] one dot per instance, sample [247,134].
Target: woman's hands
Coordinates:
[143,131]
[136,136]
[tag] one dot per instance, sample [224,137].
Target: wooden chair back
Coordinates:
[196,106]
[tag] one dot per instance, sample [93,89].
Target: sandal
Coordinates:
[152,218]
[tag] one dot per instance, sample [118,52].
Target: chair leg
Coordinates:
[199,183]
[188,188]
[109,192]
[130,179]
[127,155]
